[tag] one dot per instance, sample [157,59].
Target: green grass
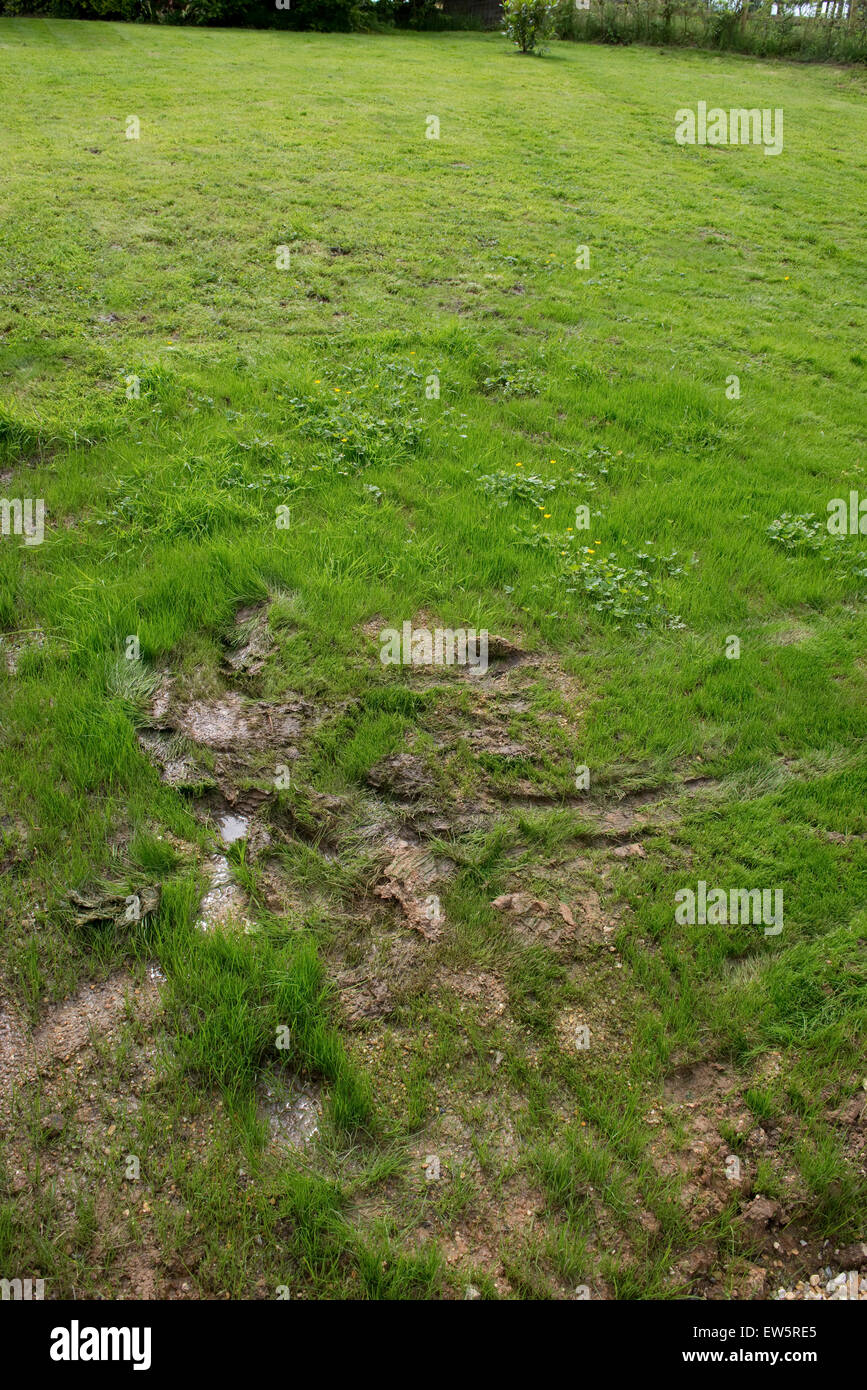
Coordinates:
[309,388]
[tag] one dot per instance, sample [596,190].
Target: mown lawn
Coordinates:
[166,389]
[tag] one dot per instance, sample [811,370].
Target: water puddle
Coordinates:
[293,1119]
[233,828]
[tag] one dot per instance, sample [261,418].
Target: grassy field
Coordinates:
[253,460]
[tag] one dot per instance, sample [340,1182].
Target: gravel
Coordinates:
[826,1285]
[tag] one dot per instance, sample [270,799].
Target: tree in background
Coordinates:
[527,22]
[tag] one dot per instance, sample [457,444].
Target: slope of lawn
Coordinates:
[286,372]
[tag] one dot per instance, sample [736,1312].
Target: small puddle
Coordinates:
[233,828]
[293,1120]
